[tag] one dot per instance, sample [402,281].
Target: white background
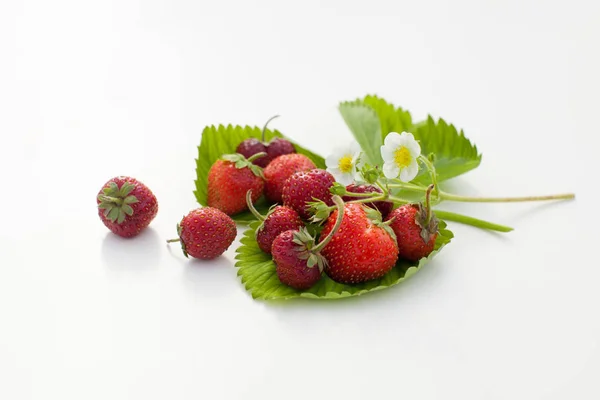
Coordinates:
[89,90]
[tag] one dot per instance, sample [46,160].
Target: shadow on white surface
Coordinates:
[141,253]
[210,278]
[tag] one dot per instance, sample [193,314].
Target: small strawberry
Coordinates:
[126,206]
[384,207]
[280,169]
[273,149]
[278,147]
[205,233]
[278,220]
[228,181]
[307,186]
[363,249]
[298,260]
[416,229]
[252,146]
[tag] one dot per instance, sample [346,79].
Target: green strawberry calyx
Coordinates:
[425,218]
[242,162]
[376,219]
[307,246]
[183,247]
[116,201]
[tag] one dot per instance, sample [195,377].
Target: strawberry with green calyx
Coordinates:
[126,206]
[416,228]
[307,186]
[280,169]
[278,220]
[205,233]
[298,259]
[363,249]
[273,149]
[230,178]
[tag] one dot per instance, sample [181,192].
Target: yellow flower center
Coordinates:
[345,164]
[402,157]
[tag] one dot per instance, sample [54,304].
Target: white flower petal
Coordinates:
[392,139]
[413,146]
[409,173]
[387,153]
[390,170]
[344,179]
[354,147]
[333,160]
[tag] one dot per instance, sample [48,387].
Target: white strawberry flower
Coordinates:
[342,163]
[400,152]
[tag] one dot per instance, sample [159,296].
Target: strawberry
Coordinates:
[273,149]
[307,186]
[363,249]
[278,220]
[126,206]
[278,147]
[280,169]
[384,207]
[416,229]
[298,260]
[205,233]
[228,181]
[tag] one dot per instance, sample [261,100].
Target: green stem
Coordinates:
[428,204]
[265,127]
[253,210]
[455,197]
[463,219]
[173,240]
[370,194]
[432,172]
[338,222]
[398,200]
[407,186]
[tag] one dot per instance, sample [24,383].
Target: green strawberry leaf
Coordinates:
[220,140]
[258,274]
[372,118]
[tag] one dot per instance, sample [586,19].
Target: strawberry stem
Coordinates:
[173,240]
[454,197]
[478,223]
[428,204]
[338,222]
[253,210]
[265,127]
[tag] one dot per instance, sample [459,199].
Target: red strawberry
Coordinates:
[384,207]
[291,266]
[126,206]
[280,169]
[278,220]
[307,186]
[228,181]
[297,258]
[416,237]
[205,233]
[416,228]
[363,249]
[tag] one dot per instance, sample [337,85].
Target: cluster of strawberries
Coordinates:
[359,240]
